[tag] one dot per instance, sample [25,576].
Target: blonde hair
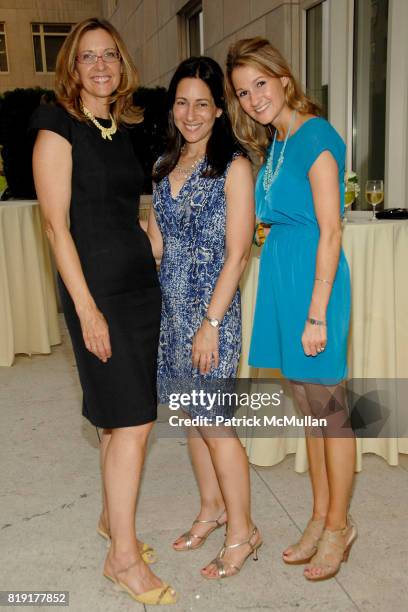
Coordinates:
[259,52]
[68,84]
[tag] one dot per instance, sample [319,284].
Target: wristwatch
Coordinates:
[213,322]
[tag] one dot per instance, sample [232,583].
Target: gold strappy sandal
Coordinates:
[223,566]
[148,553]
[160,596]
[304,550]
[188,536]
[333,548]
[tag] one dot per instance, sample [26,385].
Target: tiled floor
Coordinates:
[50,499]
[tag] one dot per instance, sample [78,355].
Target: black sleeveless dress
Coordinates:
[119,268]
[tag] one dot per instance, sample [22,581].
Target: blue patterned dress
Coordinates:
[193,230]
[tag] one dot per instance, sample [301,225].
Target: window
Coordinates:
[192,29]
[317,53]
[195,33]
[3,50]
[47,41]
[369,89]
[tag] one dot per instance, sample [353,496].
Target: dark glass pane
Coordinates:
[35,27]
[52,45]
[316,70]
[37,54]
[56,27]
[194,34]
[3,62]
[1,27]
[369,90]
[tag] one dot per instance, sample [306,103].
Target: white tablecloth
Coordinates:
[28,307]
[378,346]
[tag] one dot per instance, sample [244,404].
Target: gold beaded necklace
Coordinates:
[106,133]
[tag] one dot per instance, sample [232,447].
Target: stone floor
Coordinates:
[50,501]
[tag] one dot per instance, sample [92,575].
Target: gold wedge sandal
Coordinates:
[223,566]
[161,596]
[303,551]
[148,553]
[333,548]
[188,536]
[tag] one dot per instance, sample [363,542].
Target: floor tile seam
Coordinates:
[300,531]
[36,515]
[343,588]
[276,499]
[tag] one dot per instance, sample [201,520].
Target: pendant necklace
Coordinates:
[271,174]
[106,133]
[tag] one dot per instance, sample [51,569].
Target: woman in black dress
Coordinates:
[84,163]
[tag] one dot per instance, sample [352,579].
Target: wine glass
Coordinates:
[349,197]
[374,193]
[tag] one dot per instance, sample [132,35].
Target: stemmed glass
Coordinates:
[349,197]
[374,193]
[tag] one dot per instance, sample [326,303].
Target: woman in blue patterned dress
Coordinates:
[303,301]
[201,229]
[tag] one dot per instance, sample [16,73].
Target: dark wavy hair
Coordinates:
[222,142]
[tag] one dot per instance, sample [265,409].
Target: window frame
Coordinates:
[191,9]
[341,18]
[42,35]
[306,5]
[4,33]
[340,84]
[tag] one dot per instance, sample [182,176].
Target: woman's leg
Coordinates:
[339,449]
[104,518]
[232,469]
[212,502]
[317,467]
[315,455]
[340,456]
[122,468]
[105,439]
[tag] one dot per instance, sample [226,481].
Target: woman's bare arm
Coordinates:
[155,236]
[239,189]
[52,167]
[324,182]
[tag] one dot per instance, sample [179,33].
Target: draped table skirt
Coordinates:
[28,305]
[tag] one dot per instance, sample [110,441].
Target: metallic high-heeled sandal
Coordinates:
[304,550]
[223,567]
[333,548]
[188,536]
[147,553]
[162,595]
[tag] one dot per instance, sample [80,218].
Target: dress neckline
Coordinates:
[298,130]
[196,169]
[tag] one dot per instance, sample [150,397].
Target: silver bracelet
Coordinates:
[315,321]
[323,280]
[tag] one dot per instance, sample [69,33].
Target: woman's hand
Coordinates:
[314,339]
[205,348]
[95,332]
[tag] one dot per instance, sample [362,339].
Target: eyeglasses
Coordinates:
[88,57]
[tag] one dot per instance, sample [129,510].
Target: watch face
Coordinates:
[212,322]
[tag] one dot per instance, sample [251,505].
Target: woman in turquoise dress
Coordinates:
[303,302]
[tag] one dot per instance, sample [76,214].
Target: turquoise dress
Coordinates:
[288,260]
